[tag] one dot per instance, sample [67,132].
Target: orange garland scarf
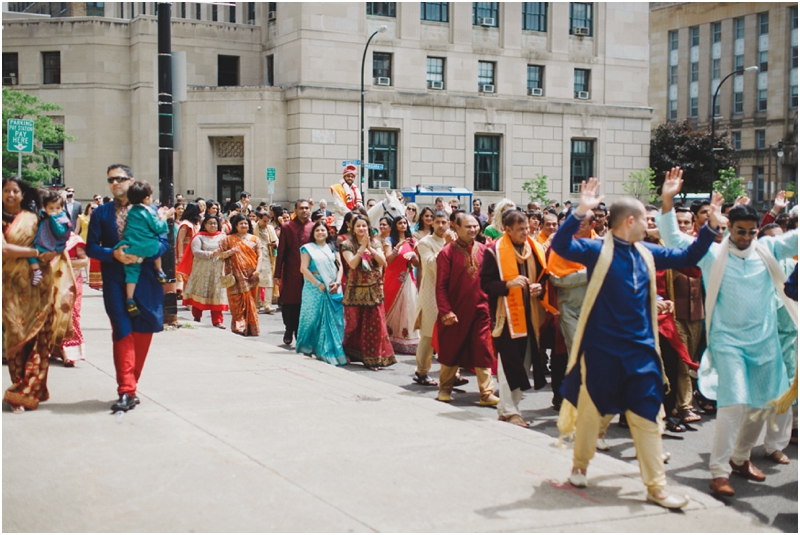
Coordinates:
[513,304]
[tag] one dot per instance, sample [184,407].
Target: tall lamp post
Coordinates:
[381,29]
[713,117]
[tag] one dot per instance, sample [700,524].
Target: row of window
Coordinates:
[228,69]
[487,161]
[185,10]
[534,14]
[435,75]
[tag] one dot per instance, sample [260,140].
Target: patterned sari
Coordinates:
[242,296]
[36,319]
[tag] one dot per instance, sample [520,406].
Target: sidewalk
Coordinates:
[237,435]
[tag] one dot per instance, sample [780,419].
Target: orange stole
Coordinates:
[561,267]
[513,302]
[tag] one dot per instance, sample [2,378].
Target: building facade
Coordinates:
[481,95]
[694,46]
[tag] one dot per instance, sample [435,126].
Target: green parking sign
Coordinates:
[20,135]
[271,174]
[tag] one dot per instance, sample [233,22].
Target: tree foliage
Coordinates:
[679,144]
[729,185]
[642,185]
[35,166]
[537,189]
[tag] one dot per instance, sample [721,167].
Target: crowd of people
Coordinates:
[621,306]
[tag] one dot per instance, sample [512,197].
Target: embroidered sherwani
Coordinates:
[458,290]
[428,249]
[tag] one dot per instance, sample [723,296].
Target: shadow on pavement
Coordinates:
[82,407]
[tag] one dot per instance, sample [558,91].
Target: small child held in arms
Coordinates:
[54,230]
[142,229]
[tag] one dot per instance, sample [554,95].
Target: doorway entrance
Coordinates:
[230,183]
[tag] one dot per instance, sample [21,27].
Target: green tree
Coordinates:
[642,185]
[678,144]
[537,189]
[729,185]
[35,166]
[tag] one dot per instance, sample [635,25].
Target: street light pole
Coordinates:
[713,117]
[165,152]
[381,29]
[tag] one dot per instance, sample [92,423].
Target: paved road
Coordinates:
[239,435]
[772,503]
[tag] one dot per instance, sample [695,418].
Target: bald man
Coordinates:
[620,371]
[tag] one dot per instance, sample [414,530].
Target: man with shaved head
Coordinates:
[618,368]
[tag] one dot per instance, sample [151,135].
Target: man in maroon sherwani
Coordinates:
[294,235]
[464,326]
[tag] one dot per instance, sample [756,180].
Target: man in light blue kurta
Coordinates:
[743,337]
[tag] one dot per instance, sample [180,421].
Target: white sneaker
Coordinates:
[665,457]
[578,480]
[672,501]
[602,445]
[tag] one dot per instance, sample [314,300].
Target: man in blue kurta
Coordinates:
[616,368]
[131,336]
[743,366]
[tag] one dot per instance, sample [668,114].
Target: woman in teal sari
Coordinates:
[321,329]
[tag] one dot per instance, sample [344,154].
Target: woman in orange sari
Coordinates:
[245,265]
[35,318]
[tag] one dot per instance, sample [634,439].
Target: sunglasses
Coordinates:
[119,179]
[411,209]
[743,232]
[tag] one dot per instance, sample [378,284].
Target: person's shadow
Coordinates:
[87,406]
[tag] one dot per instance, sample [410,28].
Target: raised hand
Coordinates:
[716,220]
[589,198]
[673,182]
[741,200]
[780,202]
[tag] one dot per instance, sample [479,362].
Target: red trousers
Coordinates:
[216,315]
[129,356]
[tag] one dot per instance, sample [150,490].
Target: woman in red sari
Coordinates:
[400,288]
[35,318]
[245,265]
[72,349]
[365,336]
[187,228]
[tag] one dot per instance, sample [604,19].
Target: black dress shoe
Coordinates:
[287,338]
[124,403]
[135,400]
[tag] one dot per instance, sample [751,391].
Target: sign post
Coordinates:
[270,183]
[20,139]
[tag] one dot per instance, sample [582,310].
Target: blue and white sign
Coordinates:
[351,162]
[374,166]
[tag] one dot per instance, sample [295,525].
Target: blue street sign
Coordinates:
[374,166]
[351,162]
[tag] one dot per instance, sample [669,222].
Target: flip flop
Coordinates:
[424,380]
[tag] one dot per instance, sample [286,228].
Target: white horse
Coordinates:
[390,206]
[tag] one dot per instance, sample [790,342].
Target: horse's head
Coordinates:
[392,205]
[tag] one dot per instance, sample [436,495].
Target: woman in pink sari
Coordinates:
[400,288]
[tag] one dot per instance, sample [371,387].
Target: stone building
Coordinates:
[481,95]
[693,46]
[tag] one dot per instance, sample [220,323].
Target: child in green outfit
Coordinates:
[142,229]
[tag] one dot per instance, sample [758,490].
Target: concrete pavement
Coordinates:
[235,434]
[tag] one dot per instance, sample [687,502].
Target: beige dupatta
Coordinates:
[568,415]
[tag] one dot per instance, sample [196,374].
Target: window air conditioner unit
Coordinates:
[487,88]
[576,188]
[436,85]
[10,80]
[486,21]
[383,80]
[582,95]
[580,31]
[535,91]
[383,184]
[271,15]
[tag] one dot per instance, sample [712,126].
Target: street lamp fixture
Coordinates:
[380,29]
[713,118]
